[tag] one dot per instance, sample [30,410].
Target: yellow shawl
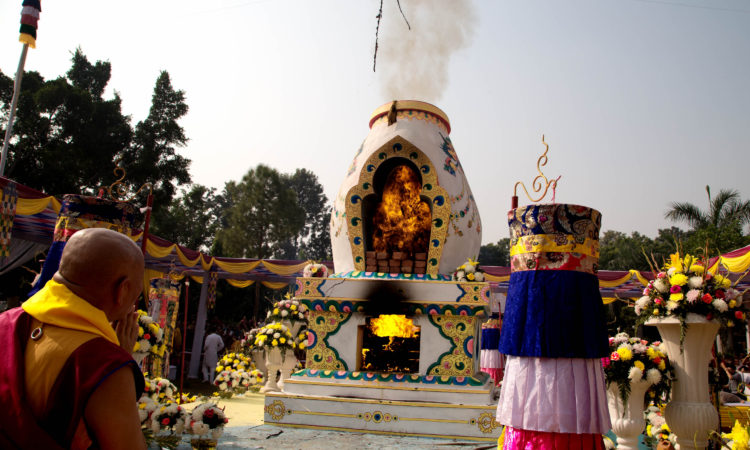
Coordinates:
[57,305]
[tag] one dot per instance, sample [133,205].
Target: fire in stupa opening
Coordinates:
[390,343]
[400,224]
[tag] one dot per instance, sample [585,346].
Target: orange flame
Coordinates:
[393,325]
[402,220]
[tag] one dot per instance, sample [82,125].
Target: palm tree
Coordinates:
[724,210]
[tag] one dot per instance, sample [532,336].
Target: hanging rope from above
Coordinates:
[377,29]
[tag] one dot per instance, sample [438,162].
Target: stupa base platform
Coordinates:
[380,416]
[475,390]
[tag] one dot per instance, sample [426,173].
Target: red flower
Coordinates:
[209,413]
[226,420]
[657,360]
[675,289]
[739,315]
[614,356]
[707,298]
[658,300]
[719,293]
[165,421]
[709,316]
[146,336]
[606,362]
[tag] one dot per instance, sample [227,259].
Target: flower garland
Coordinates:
[468,271]
[632,360]
[207,418]
[287,309]
[684,287]
[150,337]
[315,270]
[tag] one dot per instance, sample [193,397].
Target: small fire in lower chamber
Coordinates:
[390,343]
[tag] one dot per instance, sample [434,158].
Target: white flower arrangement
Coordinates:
[288,309]
[468,271]
[169,416]
[150,337]
[633,359]
[684,286]
[315,270]
[160,390]
[207,418]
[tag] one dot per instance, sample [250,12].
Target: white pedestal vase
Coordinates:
[259,359]
[287,366]
[627,417]
[690,414]
[273,364]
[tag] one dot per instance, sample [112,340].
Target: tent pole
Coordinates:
[13,104]
[200,331]
[184,334]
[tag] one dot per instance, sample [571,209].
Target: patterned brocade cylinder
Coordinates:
[554,332]
[79,212]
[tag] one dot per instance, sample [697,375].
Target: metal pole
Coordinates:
[13,103]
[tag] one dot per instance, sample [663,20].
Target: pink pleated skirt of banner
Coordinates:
[517,439]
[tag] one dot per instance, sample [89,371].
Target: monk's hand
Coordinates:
[127,331]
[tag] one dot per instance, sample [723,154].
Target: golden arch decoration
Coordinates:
[440,204]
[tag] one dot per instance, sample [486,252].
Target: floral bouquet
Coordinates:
[150,338]
[247,343]
[685,286]
[275,335]
[287,309]
[300,341]
[207,418]
[468,271]
[146,407]
[656,427]
[160,390]
[315,270]
[632,360]
[170,416]
[234,361]
[232,382]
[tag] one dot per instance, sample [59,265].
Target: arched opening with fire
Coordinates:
[398,220]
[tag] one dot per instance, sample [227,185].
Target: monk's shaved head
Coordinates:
[96,262]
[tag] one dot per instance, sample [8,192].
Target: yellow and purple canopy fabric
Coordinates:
[29,21]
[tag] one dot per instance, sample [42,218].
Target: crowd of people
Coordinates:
[732,377]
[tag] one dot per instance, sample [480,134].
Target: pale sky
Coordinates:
[643,102]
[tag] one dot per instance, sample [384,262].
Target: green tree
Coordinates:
[261,213]
[66,136]
[495,254]
[314,240]
[720,227]
[153,156]
[618,251]
[191,219]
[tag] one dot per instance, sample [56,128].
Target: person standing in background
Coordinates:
[211,348]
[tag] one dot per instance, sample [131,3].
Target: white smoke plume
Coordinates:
[413,64]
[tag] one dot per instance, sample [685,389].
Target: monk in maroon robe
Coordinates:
[67,377]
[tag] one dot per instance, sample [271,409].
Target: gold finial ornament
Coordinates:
[117,190]
[537,184]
